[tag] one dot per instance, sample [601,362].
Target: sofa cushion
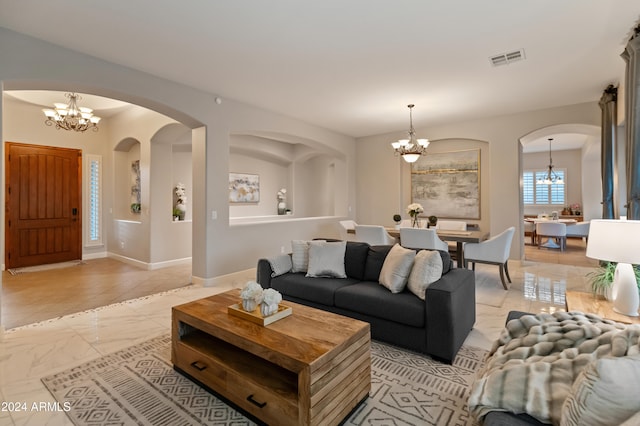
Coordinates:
[427,269]
[396,268]
[318,290]
[375,260]
[326,259]
[355,259]
[370,298]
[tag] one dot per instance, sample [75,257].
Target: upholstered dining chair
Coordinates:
[530,228]
[494,251]
[580,230]
[374,235]
[421,238]
[552,230]
[451,225]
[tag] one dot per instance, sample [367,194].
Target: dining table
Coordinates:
[458,236]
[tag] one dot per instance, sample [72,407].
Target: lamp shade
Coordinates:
[614,240]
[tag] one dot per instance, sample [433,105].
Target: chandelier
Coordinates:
[551,177]
[411,149]
[70,116]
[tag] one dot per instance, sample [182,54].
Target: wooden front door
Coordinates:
[43,222]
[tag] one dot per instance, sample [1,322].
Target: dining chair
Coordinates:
[374,235]
[451,225]
[494,251]
[580,230]
[421,238]
[530,228]
[552,230]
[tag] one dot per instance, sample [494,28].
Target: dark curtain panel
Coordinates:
[608,104]
[632,113]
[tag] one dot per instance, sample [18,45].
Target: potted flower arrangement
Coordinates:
[433,220]
[251,296]
[397,219]
[270,300]
[414,210]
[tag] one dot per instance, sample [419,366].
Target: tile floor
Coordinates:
[31,352]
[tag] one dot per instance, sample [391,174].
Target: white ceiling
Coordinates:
[353,66]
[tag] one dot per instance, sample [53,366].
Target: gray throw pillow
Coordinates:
[326,259]
[396,268]
[280,264]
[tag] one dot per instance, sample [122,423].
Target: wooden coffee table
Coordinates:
[310,368]
[587,302]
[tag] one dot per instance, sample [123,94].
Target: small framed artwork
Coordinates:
[244,188]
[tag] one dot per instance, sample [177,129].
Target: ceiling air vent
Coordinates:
[507,58]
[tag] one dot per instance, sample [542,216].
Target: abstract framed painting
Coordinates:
[244,188]
[447,184]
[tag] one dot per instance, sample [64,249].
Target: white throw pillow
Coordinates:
[427,269]
[326,259]
[396,268]
[300,255]
[604,393]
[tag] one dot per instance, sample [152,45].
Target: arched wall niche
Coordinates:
[450,145]
[308,170]
[127,185]
[171,164]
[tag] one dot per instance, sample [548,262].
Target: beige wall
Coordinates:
[218,247]
[380,173]
[571,161]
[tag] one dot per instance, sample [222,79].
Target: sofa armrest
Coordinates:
[450,312]
[263,273]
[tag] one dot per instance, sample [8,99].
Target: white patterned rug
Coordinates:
[138,386]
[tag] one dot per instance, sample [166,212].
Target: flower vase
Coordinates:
[267,310]
[415,222]
[249,305]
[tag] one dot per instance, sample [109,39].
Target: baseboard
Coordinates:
[240,276]
[90,256]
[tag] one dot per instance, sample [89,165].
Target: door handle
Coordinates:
[74,211]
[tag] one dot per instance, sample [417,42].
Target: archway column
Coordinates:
[632,112]
[608,104]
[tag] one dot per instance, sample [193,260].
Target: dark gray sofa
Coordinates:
[436,326]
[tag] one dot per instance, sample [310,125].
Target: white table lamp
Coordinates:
[618,241]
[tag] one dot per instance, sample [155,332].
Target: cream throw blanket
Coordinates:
[536,359]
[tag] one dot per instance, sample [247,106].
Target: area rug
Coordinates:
[138,386]
[49,266]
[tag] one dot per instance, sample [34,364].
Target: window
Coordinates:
[94,200]
[534,193]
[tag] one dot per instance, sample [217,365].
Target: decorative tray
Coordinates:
[255,315]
